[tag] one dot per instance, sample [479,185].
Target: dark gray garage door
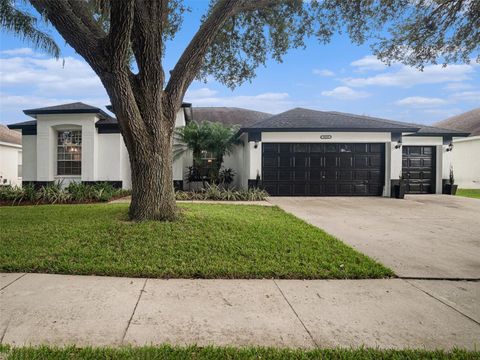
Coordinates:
[418,169]
[323,169]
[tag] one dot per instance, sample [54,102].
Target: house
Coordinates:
[298,152]
[10,157]
[465,163]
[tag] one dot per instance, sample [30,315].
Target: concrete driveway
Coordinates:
[422,236]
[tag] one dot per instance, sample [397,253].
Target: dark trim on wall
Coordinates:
[393,182]
[33,112]
[178,185]
[254,184]
[36,184]
[117,184]
[108,129]
[396,137]
[255,136]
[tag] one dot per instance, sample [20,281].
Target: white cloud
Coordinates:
[270,102]
[420,101]
[369,62]
[345,93]
[18,51]
[201,93]
[67,77]
[467,96]
[404,76]
[323,72]
[457,86]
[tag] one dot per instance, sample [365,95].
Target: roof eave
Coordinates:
[33,113]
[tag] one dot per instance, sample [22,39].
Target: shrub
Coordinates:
[54,193]
[214,192]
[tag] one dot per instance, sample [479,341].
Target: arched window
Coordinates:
[69,152]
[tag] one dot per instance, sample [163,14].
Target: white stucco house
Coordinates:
[300,152]
[465,160]
[10,157]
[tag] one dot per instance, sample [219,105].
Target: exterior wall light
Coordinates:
[398,145]
[256,144]
[449,147]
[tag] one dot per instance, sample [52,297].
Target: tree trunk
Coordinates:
[153,195]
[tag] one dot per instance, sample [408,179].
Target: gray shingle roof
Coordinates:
[306,119]
[10,136]
[72,108]
[468,122]
[229,115]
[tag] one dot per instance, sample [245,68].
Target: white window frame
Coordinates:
[69,152]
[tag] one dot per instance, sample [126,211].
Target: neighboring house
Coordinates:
[298,152]
[10,157]
[465,162]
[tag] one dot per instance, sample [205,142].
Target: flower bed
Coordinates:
[74,193]
[215,192]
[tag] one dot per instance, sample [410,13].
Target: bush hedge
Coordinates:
[55,193]
[215,192]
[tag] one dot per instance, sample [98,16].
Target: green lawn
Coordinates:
[471,193]
[209,353]
[210,241]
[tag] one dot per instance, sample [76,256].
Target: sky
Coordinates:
[339,76]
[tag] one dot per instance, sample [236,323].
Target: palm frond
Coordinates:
[24,26]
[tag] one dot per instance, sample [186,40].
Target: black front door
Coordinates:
[323,169]
[418,169]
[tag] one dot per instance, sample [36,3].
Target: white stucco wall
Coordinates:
[47,127]
[109,156]
[10,158]
[235,161]
[466,162]
[29,157]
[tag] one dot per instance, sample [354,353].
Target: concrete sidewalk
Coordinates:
[91,310]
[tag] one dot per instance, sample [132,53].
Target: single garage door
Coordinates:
[323,169]
[418,169]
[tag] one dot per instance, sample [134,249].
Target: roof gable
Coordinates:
[71,108]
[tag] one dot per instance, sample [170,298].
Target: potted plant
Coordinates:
[450,188]
[399,190]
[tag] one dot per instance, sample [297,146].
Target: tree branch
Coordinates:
[192,58]
[121,23]
[76,28]
[147,40]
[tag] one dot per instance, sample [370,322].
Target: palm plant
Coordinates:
[20,23]
[215,138]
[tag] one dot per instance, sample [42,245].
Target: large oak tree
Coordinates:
[233,39]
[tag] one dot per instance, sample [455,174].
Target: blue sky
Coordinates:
[339,76]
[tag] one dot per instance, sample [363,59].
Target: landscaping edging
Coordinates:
[127,199]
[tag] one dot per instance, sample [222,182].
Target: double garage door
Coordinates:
[320,169]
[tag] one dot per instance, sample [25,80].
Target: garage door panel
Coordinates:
[284,161]
[300,175]
[375,161]
[323,169]
[419,169]
[316,160]
[331,148]
[270,175]
[300,160]
[330,160]
[270,160]
[346,161]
